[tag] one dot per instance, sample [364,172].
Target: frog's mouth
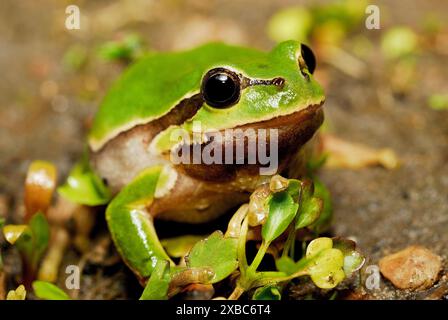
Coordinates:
[281,137]
[307,119]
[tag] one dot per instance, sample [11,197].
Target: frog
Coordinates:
[220,86]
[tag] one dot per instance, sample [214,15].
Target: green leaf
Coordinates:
[269,292]
[309,212]
[310,206]
[159,282]
[217,253]
[324,220]
[294,189]
[326,269]
[286,265]
[83,186]
[282,210]
[41,234]
[353,260]
[318,245]
[48,291]
[33,241]
[324,263]
[179,246]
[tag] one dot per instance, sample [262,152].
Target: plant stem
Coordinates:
[241,250]
[258,257]
[277,277]
[236,293]
[289,243]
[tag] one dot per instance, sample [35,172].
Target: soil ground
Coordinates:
[45,107]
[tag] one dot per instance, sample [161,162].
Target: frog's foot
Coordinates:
[131,225]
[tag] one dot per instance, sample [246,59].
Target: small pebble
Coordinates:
[414,268]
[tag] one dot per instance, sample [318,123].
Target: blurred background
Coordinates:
[387,89]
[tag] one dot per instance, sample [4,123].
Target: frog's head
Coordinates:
[240,92]
[218,87]
[262,91]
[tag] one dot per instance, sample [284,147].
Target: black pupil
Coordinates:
[220,90]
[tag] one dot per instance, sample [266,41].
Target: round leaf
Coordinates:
[217,253]
[178,247]
[326,268]
[282,210]
[318,245]
[353,260]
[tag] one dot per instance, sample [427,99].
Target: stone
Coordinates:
[414,268]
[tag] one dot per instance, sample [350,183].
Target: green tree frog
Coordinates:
[220,87]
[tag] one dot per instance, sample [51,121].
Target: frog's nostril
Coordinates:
[279,82]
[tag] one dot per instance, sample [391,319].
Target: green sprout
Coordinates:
[31,238]
[127,48]
[85,186]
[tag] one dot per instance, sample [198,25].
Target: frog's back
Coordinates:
[155,84]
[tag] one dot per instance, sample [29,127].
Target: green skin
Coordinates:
[155,85]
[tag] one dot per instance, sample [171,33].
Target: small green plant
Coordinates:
[31,238]
[126,48]
[84,185]
[282,208]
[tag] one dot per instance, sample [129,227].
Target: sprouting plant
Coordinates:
[83,185]
[283,208]
[32,238]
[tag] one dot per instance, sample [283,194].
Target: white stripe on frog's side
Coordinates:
[97,144]
[163,143]
[166,181]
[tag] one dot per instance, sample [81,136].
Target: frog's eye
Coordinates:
[220,88]
[309,58]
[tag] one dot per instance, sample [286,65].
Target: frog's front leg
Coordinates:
[131,224]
